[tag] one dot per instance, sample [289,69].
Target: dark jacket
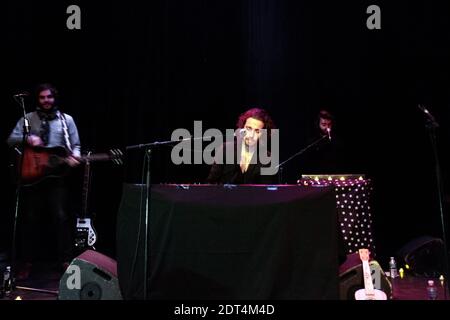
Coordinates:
[232,173]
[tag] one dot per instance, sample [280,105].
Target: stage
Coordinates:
[45,277]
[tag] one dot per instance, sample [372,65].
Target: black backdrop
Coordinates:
[134,72]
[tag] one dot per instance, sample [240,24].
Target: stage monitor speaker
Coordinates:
[90,276]
[424,255]
[351,280]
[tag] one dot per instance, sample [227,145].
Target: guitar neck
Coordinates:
[86,185]
[96,157]
[368,284]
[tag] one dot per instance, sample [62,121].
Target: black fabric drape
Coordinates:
[213,242]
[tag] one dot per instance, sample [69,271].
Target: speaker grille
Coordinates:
[91,291]
[97,278]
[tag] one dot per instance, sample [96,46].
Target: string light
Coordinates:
[352,200]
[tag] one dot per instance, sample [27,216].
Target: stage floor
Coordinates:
[46,277]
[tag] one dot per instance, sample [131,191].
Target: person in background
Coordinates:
[326,156]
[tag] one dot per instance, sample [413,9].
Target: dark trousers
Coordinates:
[42,203]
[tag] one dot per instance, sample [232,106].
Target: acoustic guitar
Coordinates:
[368,293]
[39,163]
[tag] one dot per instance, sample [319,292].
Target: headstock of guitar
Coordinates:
[116,156]
[364,254]
[113,155]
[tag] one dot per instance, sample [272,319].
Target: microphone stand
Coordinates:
[26,131]
[432,125]
[148,153]
[314,143]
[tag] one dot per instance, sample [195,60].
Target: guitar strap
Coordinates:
[62,117]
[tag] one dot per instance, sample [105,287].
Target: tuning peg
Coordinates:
[117,155]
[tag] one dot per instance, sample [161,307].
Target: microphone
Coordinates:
[329,133]
[429,115]
[421,107]
[241,132]
[22,94]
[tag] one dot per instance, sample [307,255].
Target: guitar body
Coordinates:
[377,295]
[86,235]
[40,163]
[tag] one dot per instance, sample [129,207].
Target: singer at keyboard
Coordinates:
[246,165]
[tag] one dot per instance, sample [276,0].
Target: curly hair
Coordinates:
[258,114]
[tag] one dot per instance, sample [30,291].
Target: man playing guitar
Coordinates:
[49,128]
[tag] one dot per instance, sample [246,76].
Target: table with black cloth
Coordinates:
[229,242]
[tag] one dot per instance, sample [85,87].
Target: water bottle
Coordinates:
[432,290]
[7,281]
[393,268]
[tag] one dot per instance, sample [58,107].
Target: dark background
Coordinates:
[135,72]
